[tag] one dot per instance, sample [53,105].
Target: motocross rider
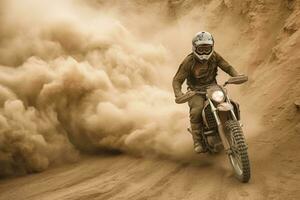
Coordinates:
[199,68]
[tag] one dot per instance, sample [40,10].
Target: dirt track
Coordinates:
[123,177]
[126,177]
[33,131]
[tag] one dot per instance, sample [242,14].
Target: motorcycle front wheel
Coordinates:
[238,156]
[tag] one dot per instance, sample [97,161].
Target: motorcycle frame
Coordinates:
[220,126]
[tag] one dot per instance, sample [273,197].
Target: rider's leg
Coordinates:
[196,106]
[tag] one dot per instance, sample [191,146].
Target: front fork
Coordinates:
[221,127]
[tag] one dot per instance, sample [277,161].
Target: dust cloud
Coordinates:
[90,75]
[74,78]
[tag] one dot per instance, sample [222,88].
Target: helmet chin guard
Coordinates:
[203,39]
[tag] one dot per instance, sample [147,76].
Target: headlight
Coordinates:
[218,96]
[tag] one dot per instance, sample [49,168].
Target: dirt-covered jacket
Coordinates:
[200,74]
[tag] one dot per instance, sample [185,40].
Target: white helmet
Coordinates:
[203,45]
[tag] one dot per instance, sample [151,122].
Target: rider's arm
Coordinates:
[180,77]
[225,66]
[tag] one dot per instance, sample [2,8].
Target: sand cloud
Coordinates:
[73,79]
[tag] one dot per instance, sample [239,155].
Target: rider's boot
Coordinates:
[196,133]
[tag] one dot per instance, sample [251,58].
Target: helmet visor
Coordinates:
[204,49]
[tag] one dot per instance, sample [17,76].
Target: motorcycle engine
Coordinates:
[214,143]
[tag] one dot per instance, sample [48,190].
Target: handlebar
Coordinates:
[201,92]
[187,96]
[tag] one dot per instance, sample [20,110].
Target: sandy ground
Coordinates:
[275,161]
[126,177]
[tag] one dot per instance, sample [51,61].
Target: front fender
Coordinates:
[225,106]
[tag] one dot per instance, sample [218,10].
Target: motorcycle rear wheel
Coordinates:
[238,157]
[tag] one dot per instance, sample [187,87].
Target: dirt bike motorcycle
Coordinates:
[222,127]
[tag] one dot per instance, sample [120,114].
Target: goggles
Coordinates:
[204,49]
